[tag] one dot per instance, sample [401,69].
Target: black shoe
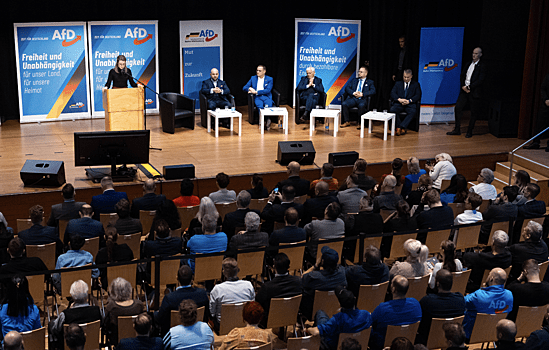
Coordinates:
[302,121]
[454,132]
[468,135]
[532,146]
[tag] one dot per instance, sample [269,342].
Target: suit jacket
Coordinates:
[275,213]
[105,202]
[249,240]
[350,199]
[162,246]
[288,234]
[141,343]
[500,211]
[303,91]
[414,91]
[85,227]
[207,86]
[235,219]
[533,209]
[368,87]
[64,211]
[172,300]
[38,234]
[267,86]
[150,201]
[301,186]
[477,78]
[127,226]
[314,207]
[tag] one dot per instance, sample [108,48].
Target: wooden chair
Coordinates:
[525,223]
[543,269]
[168,272]
[487,272]
[36,288]
[363,337]
[267,346]
[224,208]
[397,247]
[368,241]
[503,226]
[176,233]
[133,241]
[444,184]
[309,342]
[460,281]
[370,296]
[23,224]
[125,327]
[484,205]
[62,228]
[35,339]
[406,330]
[436,338]
[484,330]
[398,189]
[186,214]
[300,199]
[435,238]
[108,219]
[127,272]
[146,217]
[207,268]
[250,264]
[457,208]
[467,237]
[337,246]
[325,301]
[175,320]
[295,254]
[258,204]
[68,277]
[529,319]
[385,213]
[93,335]
[417,287]
[278,225]
[46,252]
[283,311]
[92,246]
[415,185]
[231,317]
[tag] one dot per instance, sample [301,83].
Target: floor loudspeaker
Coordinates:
[175,172]
[302,152]
[342,158]
[43,173]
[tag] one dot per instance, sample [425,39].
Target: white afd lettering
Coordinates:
[65,34]
[340,31]
[446,62]
[497,304]
[135,33]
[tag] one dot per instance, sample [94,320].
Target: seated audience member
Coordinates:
[314,207]
[291,233]
[191,333]
[532,208]
[119,303]
[470,216]
[74,257]
[484,187]
[449,262]
[363,181]
[252,237]
[142,325]
[396,312]
[222,195]
[258,190]
[207,206]
[125,224]
[400,220]
[350,344]
[301,186]
[113,252]
[444,169]
[38,234]
[251,335]
[349,199]
[18,312]
[86,227]
[13,341]
[67,210]
[328,278]
[187,199]
[538,340]
[443,304]
[528,289]
[502,209]
[494,298]
[415,264]
[506,331]
[149,201]
[329,228]
[455,336]
[231,291]
[19,262]
[424,184]
[283,285]
[456,192]
[521,179]
[366,221]
[105,202]
[438,217]
[396,167]
[533,247]
[414,172]
[172,300]
[326,173]
[372,271]
[235,219]
[163,244]
[273,212]
[75,337]
[348,320]
[209,242]
[387,199]
[166,211]
[496,256]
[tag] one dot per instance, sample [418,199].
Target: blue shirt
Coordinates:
[409,180]
[490,300]
[207,244]
[395,313]
[73,258]
[20,323]
[199,336]
[346,321]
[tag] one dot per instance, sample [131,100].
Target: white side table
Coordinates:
[324,113]
[385,117]
[224,113]
[273,111]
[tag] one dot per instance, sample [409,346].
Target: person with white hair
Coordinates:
[533,247]
[444,169]
[310,91]
[415,263]
[484,186]
[236,218]
[387,199]
[206,206]
[120,303]
[252,237]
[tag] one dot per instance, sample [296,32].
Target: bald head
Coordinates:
[214,73]
[497,276]
[322,188]
[149,186]
[506,330]
[293,168]
[86,211]
[13,341]
[399,287]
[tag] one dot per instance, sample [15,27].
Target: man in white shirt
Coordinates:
[484,187]
[473,215]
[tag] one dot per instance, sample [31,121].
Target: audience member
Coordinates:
[400,220]
[326,173]
[506,331]
[125,224]
[187,199]
[444,169]
[207,206]
[68,209]
[329,228]
[251,335]
[470,216]
[349,199]
[528,289]
[75,338]
[149,201]
[18,312]
[235,219]
[502,209]
[38,234]
[258,190]
[19,262]
[414,172]
[13,341]
[191,333]
[301,186]
[142,325]
[456,192]
[538,340]
[273,212]
[209,242]
[531,208]
[455,336]
[521,179]
[438,217]
[425,183]
[252,237]
[222,195]
[163,244]
[484,187]
[74,257]
[396,167]
[86,227]
[314,207]
[166,211]
[112,252]
[415,264]
[533,247]
[105,202]
[449,262]
[291,233]
[119,303]
[363,181]
[372,271]
[387,199]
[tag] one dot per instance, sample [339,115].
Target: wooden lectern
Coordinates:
[124,109]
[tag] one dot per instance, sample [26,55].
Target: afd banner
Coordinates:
[52,71]
[331,47]
[201,49]
[138,41]
[439,71]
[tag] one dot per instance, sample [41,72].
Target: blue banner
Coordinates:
[330,46]
[52,71]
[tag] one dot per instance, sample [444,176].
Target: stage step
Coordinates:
[503,169]
[536,167]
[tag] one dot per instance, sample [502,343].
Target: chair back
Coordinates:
[295,254]
[435,238]
[398,189]
[224,208]
[108,218]
[543,269]
[370,296]
[300,199]
[368,241]
[460,281]
[278,225]
[92,246]
[484,205]
[168,272]
[35,339]
[231,317]
[503,225]
[363,337]
[529,319]
[62,228]
[417,287]
[133,241]
[176,233]
[385,213]
[283,311]
[23,224]
[207,268]
[186,214]
[325,301]
[175,320]
[484,329]
[397,247]
[267,346]
[250,263]
[525,223]
[467,237]
[415,185]
[93,335]
[406,330]
[337,246]
[46,252]
[146,217]
[68,277]
[444,184]
[457,208]
[36,288]
[127,272]
[311,342]
[487,272]
[258,204]
[436,338]
[125,327]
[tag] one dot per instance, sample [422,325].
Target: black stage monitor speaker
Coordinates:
[302,152]
[41,173]
[342,158]
[182,171]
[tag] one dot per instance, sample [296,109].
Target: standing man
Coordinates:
[472,77]
[358,90]
[405,94]
[403,59]
[542,121]
[260,85]
[216,92]
[309,89]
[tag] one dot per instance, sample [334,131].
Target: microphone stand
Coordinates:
[145,105]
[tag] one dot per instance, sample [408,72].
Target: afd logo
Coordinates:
[205,35]
[343,34]
[68,36]
[447,63]
[139,35]
[208,34]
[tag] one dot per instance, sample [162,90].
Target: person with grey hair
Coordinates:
[310,92]
[149,201]
[210,242]
[13,341]
[206,206]
[415,263]
[444,169]
[251,238]
[484,187]
[533,247]
[414,172]
[387,199]
[119,303]
[236,218]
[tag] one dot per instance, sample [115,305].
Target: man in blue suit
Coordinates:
[405,94]
[216,92]
[104,203]
[310,89]
[358,89]
[261,85]
[38,234]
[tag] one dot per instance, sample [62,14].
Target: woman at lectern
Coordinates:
[120,75]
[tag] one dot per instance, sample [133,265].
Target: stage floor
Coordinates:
[234,154]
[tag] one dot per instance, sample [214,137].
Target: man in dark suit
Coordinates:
[533,247]
[142,325]
[236,218]
[216,91]
[310,89]
[163,244]
[38,234]
[301,186]
[532,208]
[502,208]
[275,212]
[472,77]
[19,262]
[105,202]
[314,207]
[403,57]
[291,233]
[125,224]
[149,201]
[405,94]
[85,227]
[357,90]
[542,119]
[68,209]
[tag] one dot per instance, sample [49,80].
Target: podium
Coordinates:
[124,109]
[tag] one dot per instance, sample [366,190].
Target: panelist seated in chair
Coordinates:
[260,85]
[216,92]
[404,96]
[358,90]
[310,89]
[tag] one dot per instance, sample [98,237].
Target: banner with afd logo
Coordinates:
[201,49]
[439,72]
[138,41]
[330,46]
[52,71]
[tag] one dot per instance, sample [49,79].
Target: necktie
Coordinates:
[359,87]
[406,89]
